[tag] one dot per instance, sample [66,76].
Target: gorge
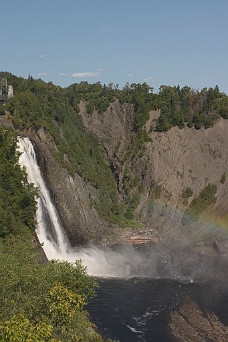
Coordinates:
[142,194]
[149,280]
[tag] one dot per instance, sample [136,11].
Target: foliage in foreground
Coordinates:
[43,302]
[38,301]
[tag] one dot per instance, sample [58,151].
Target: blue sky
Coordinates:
[161,42]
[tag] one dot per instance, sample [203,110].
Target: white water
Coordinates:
[55,245]
[51,233]
[124,262]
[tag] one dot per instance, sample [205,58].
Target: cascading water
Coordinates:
[49,229]
[123,262]
[133,309]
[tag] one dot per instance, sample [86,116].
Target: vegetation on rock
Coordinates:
[38,104]
[180,106]
[223,178]
[200,203]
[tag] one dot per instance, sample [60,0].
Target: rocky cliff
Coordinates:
[157,171]
[192,323]
[169,164]
[70,194]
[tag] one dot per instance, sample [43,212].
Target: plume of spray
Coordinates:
[151,261]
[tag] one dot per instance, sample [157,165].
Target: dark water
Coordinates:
[136,309]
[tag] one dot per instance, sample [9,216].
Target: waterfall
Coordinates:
[49,228]
[125,261]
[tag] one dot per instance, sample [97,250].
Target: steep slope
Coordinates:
[171,163]
[188,158]
[108,155]
[71,195]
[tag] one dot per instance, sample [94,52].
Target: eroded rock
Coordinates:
[190,323]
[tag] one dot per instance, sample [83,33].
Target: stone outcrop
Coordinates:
[191,323]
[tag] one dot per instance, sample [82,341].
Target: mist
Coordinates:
[154,261]
[127,261]
[172,260]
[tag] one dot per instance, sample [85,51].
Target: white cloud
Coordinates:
[63,74]
[42,74]
[148,78]
[130,75]
[87,74]
[42,56]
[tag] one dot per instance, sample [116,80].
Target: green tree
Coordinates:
[199,204]
[20,329]
[223,106]
[17,196]
[187,193]
[53,293]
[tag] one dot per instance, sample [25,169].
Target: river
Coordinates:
[137,310]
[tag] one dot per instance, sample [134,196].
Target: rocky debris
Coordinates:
[190,323]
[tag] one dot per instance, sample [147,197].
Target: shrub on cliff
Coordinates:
[200,203]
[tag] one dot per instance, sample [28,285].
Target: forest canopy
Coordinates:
[38,104]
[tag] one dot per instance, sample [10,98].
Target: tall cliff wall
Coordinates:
[70,194]
[164,168]
[187,158]
[172,162]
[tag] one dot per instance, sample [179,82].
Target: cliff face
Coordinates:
[70,194]
[191,323]
[187,158]
[172,162]
[162,168]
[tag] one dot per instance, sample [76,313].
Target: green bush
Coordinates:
[33,294]
[187,193]
[157,191]
[200,203]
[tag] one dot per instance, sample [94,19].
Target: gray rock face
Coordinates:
[191,323]
[187,157]
[70,195]
[171,162]
[182,158]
